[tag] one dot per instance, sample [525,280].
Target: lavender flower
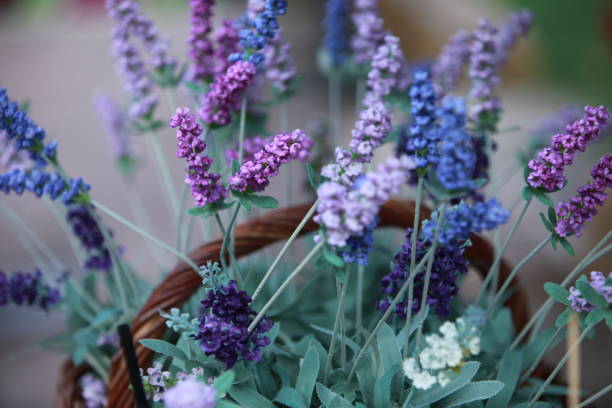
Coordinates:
[250,146]
[117,128]
[447,268]
[448,67]
[227,40]
[574,214]
[280,69]
[93,391]
[11,157]
[223,327]
[598,283]
[462,219]
[369,30]
[359,246]
[517,25]
[205,186]
[484,67]
[190,393]
[85,227]
[254,175]
[387,63]
[226,92]
[548,167]
[457,161]
[201,49]
[40,182]
[336,24]
[344,212]
[27,289]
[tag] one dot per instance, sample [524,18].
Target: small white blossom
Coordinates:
[473,344]
[449,330]
[424,380]
[444,378]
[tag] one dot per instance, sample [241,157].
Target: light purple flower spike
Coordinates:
[200,46]
[369,30]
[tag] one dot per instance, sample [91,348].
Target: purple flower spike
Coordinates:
[200,45]
[280,69]
[228,43]
[386,64]
[547,169]
[517,25]
[369,30]
[205,186]
[574,214]
[27,289]
[598,283]
[254,175]
[116,123]
[226,92]
[448,67]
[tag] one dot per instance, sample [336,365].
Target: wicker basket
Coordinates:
[251,236]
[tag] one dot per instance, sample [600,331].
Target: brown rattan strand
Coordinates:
[68,391]
[251,236]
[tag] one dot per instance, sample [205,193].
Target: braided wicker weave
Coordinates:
[251,236]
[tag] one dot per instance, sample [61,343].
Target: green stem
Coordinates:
[359,298]
[99,363]
[339,313]
[427,279]
[243,111]
[169,91]
[389,310]
[118,271]
[499,255]
[335,107]
[596,396]
[413,244]
[359,91]
[224,234]
[61,220]
[536,361]
[164,172]
[554,372]
[145,234]
[227,238]
[516,269]
[187,235]
[179,219]
[284,249]
[284,285]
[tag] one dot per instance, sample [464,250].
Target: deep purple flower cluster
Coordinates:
[280,69]
[27,289]
[345,211]
[547,169]
[336,23]
[424,135]
[223,326]
[369,30]
[447,267]
[85,227]
[205,186]
[457,162]
[484,72]
[574,214]
[598,283]
[117,127]
[358,247]
[250,146]
[201,49]
[226,92]
[516,25]
[448,67]
[462,219]
[228,43]
[259,29]
[254,175]
[11,157]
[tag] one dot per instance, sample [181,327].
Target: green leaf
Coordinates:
[587,292]
[196,211]
[289,397]
[563,318]
[330,399]
[248,397]
[366,378]
[537,404]
[235,166]
[552,215]
[526,193]
[555,241]
[226,404]
[245,202]
[164,348]
[312,177]
[307,377]
[544,198]
[547,223]
[567,246]
[468,371]
[382,388]
[595,316]
[263,201]
[508,374]
[536,346]
[224,382]
[390,354]
[609,319]
[475,391]
[556,292]
[331,257]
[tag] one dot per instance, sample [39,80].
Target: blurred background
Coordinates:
[55,54]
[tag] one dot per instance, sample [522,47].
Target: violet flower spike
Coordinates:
[598,283]
[227,42]
[117,127]
[200,47]
[205,186]
[516,25]
[369,30]
[449,66]
[280,69]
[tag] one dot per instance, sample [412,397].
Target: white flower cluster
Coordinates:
[157,381]
[443,354]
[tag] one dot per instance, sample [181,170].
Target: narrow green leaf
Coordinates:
[263,201]
[196,211]
[248,397]
[556,292]
[390,354]
[468,371]
[544,199]
[164,348]
[382,388]
[563,318]
[235,166]
[226,404]
[587,292]
[508,374]
[547,223]
[331,257]
[552,215]
[307,377]
[537,404]
[312,177]
[475,391]
[330,399]
[224,382]
[366,379]
[567,246]
[290,397]
[245,202]
[595,316]
[526,193]
[555,241]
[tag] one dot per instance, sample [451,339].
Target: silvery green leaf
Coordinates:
[309,371]
[537,404]
[563,318]
[544,198]
[567,246]
[312,177]
[366,379]
[263,201]
[382,388]
[403,335]
[536,346]
[557,292]
[468,371]
[248,397]
[331,257]
[266,383]
[224,382]
[349,342]
[289,397]
[475,391]
[595,316]
[508,374]
[330,399]
[587,292]
[164,348]
[390,355]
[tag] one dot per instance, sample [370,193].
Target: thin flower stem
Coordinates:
[389,310]
[169,91]
[145,234]
[359,299]
[517,268]
[284,285]
[61,220]
[339,313]
[560,365]
[335,106]
[284,249]
[179,219]
[164,172]
[536,361]
[224,234]
[187,235]
[434,245]
[99,363]
[499,255]
[596,396]
[243,111]
[413,245]
[359,91]
[118,272]
[227,239]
